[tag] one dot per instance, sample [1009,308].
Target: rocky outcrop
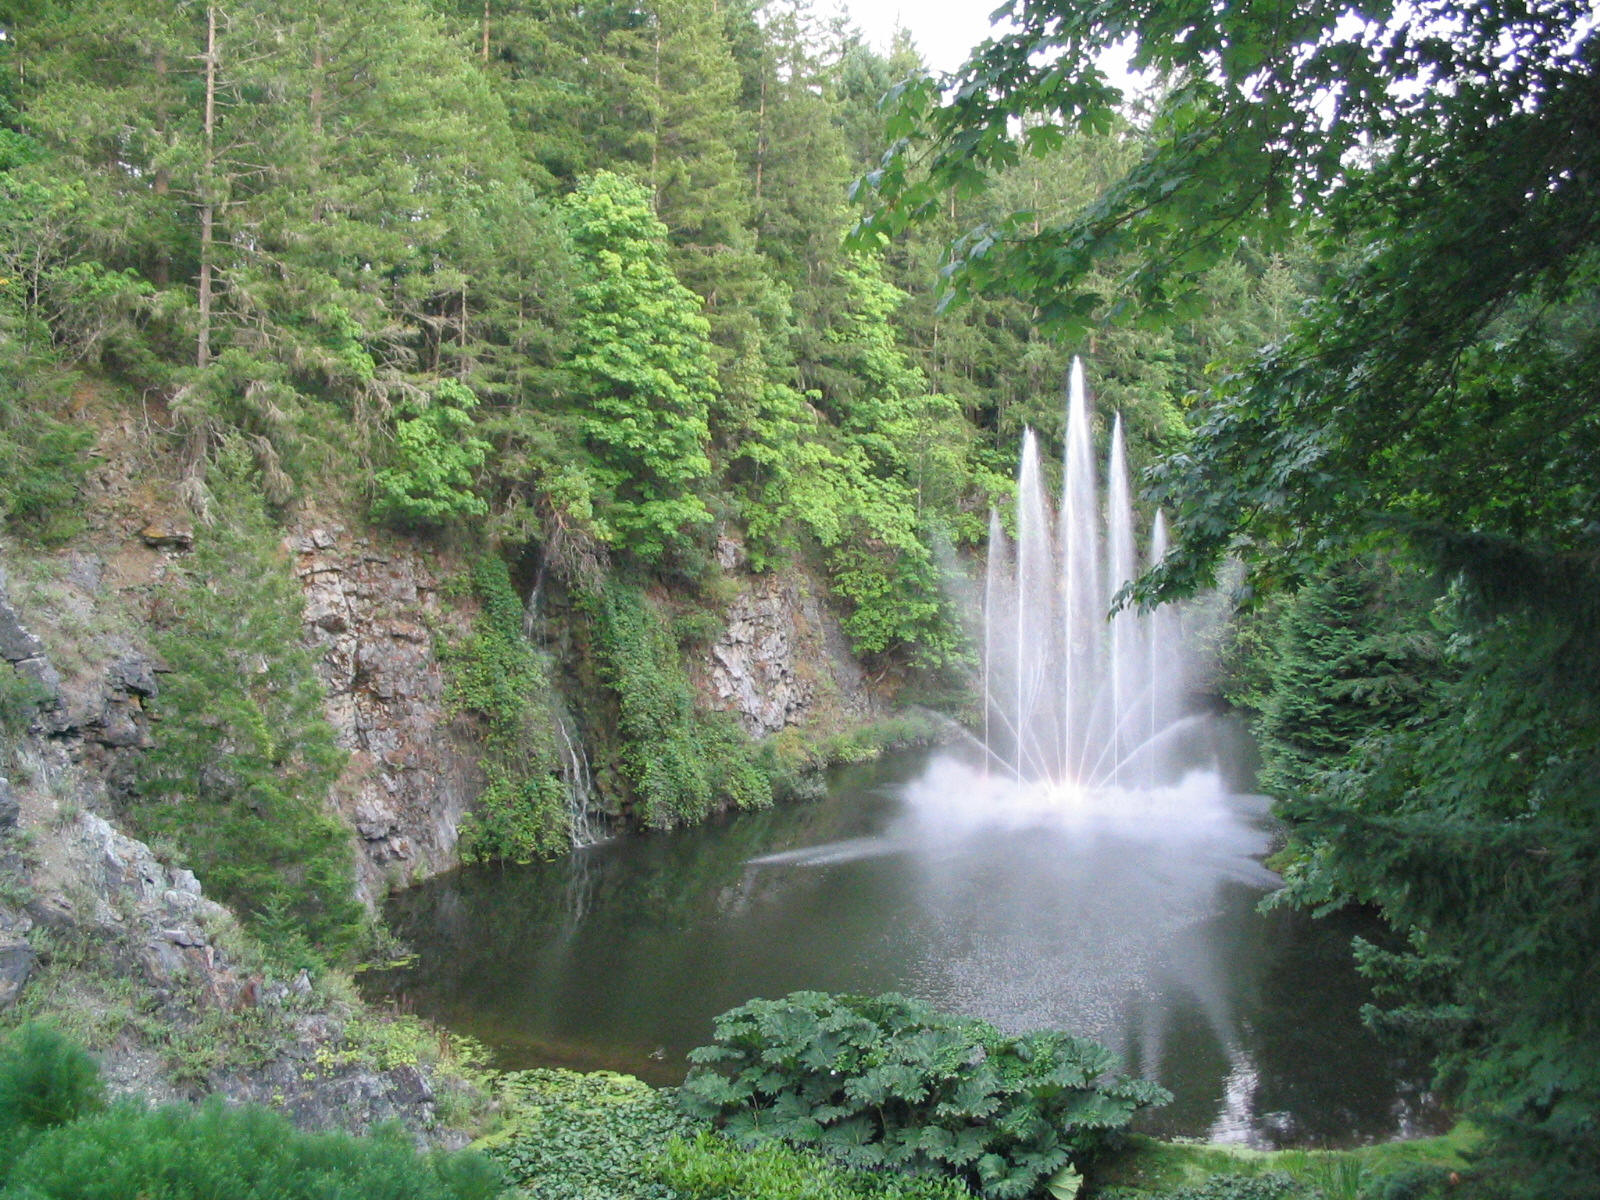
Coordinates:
[22,649]
[781,659]
[100,710]
[147,926]
[111,886]
[370,614]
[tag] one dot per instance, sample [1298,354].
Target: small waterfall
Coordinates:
[575,773]
[580,785]
[1073,694]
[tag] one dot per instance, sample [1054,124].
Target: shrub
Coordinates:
[521,814]
[680,763]
[431,482]
[1272,1185]
[179,1153]
[45,1081]
[885,1081]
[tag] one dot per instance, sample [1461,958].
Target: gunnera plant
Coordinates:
[888,1082]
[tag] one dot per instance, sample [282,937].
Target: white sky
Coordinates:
[944,30]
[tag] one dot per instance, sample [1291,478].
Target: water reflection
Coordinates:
[1131,922]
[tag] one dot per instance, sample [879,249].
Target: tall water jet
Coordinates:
[1072,692]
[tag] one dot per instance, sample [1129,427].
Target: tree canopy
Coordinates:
[1437,399]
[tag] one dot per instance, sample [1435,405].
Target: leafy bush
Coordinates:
[179,1153]
[435,455]
[585,1137]
[885,1081]
[521,814]
[42,464]
[45,1081]
[1412,1183]
[1272,1185]
[712,1168]
[20,698]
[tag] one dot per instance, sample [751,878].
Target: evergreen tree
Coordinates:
[244,756]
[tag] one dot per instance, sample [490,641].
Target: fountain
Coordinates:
[1072,696]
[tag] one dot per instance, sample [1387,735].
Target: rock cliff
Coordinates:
[781,659]
[374,615]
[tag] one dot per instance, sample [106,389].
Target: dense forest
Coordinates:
[582,292]
[565,288]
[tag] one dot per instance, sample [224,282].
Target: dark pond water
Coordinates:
[1129,918]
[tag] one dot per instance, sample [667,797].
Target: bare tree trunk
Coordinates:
[761,147]
[485,32]
[318,66]
[207,190]
[655,127]
[160,270]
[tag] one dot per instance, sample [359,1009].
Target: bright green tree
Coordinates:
[642,359]
[435,457]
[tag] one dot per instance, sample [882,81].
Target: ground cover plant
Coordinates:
[712,1167]
[884,1081]
[1413,1169]
[569,1136]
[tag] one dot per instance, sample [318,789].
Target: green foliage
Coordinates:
[1409,1169]
[680,763]
[1272,1185]
[432,480]
[712,1167]
[43,462]
[642,357]
[882,489]
[1353,653]
[181,1153]
[498,675]
[888,1082]
[244,759]
[1474,827]
[20,698]
[45,1081]
[584,1137]
[1436,397]
[42,458]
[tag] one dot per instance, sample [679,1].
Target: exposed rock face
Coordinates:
[782,660]
[149,924]
[21,649]
[104,709]
[410,777]
[122,890]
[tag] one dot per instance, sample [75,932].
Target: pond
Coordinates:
[1128,917]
